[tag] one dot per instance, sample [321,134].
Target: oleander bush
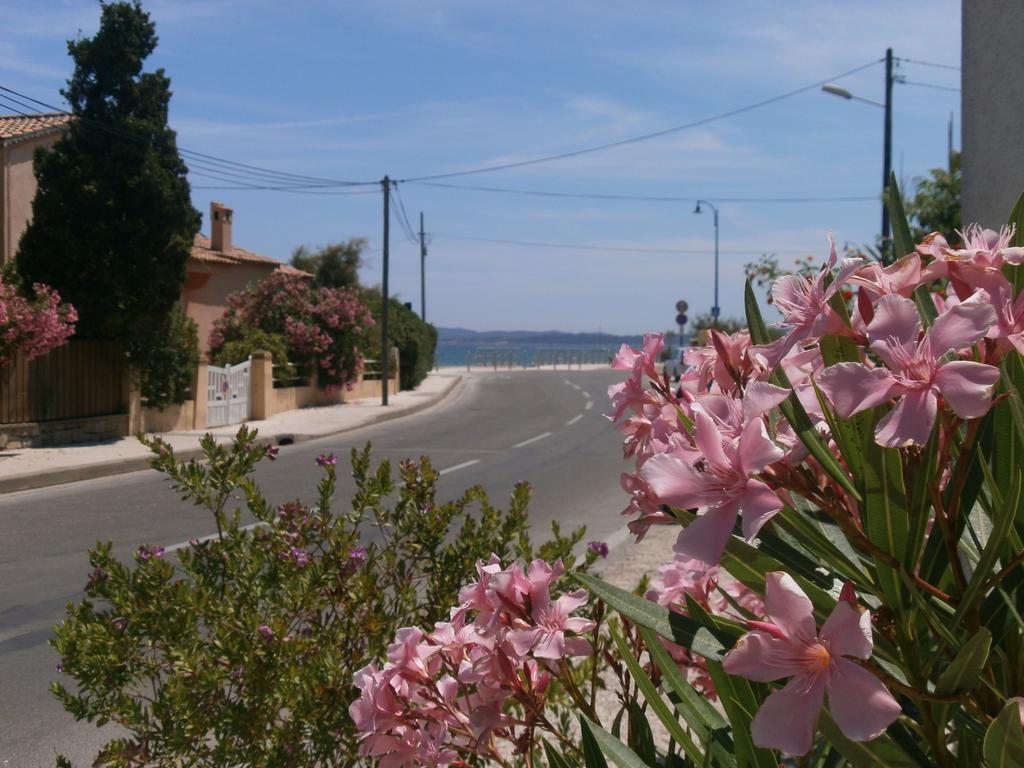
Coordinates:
[241,648]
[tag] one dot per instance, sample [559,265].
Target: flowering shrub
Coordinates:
[240,648]
[859,477]
[321,327]
[485,673]
[32,327]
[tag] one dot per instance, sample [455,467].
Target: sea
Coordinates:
[526,354]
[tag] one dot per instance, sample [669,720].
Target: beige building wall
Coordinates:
[992,109]
[17,189]
[206,287]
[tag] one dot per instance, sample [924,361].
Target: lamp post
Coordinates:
[842,93]
[715,310]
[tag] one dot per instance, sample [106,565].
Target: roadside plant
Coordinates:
[240,648]
[321,327]
[170,370]
[860,477]
[33,326]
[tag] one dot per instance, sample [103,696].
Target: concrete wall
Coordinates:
[992,109]
[17,190]
[207,286]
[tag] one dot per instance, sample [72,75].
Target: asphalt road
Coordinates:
[497,429]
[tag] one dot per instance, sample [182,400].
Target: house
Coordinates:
[217,268]
[20,136]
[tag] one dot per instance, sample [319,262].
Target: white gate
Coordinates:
[227,394]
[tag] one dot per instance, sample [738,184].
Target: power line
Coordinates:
[936,86]
[590,247]
[928,63]
[410,231]
[284,177]
[646,136]
[648,198]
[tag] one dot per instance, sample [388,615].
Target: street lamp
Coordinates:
[715,310]
[842,93]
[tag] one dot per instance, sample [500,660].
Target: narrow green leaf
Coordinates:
[709,642]
[593,755]
[741,704]
[655,702]
[902,240]
[792,408]
[963,672]
[556,759]
[882,752]
[641,740]
[691,705]
[1004,740]
[885,513]
[1015,274]
[1003,524]
[597,738]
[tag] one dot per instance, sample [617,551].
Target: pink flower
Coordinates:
[546,639]
[631,394]
[915,370]
[901,277]
[804,304]
[789,645]
[723,486]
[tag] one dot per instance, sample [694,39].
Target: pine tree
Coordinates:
[112,222]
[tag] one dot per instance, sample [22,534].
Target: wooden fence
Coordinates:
[79,379]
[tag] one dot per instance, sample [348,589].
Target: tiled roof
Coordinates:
[20,126]
[201,251]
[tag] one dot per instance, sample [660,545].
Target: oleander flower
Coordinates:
[915,369]
[789,645]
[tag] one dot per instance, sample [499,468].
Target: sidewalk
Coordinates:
[27,468]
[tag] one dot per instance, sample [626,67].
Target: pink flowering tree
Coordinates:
[319,328]
[848,494]
[32,327]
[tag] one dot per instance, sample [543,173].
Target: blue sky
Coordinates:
[356,89]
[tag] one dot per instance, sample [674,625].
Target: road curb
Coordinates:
[48,478]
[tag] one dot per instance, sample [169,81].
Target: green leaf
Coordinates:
[791,407]
[1016,274]
[709,642]
[555,759]
[593,755]
[963,672]
[885,513]
[983,570]
[1004,740]
[641,740]
[740,704]
[882,752]
[903,241]
[690,704]
[596,738]
[656,703]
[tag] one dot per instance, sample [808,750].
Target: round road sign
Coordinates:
[681,306]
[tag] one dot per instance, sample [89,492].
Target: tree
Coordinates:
[336,265]
[935,206]
[113,224]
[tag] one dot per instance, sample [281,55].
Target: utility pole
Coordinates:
[385,346]
[949,143]
[887,148]
[423,272]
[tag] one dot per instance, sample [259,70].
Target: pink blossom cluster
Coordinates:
[32,327]
[452,691]
[713,589]
[321,327]
[719,446]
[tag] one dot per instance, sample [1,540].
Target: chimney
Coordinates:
[220,227]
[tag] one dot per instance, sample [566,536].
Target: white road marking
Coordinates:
[532,440]
[586,395]
[568,382]
[589,405]
[573,420]
[575,386]
[211,537]
[457,467]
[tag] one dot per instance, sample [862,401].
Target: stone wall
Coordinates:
[44,434]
